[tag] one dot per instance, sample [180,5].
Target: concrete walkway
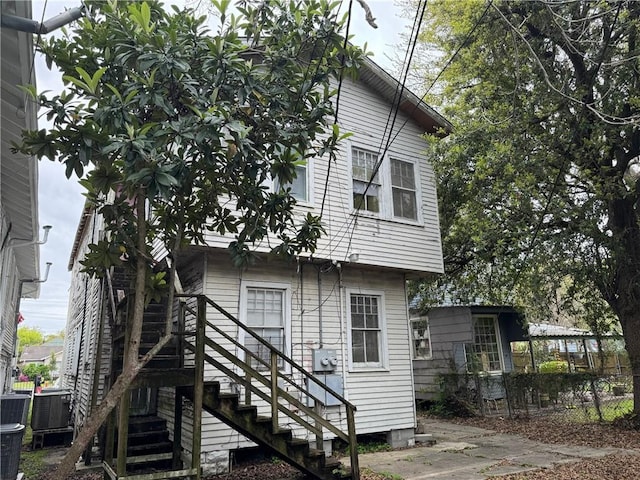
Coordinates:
[470,453]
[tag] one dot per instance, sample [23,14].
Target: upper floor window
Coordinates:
[421,337]
[299,186]
[392,192]
[403,186]
[363,165]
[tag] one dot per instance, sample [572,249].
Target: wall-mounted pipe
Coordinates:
[23,242]
[32,26]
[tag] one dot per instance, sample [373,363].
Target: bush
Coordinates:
[33,369]
[554,366]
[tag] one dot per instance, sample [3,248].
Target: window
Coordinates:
[403,186]
[367,336]
[363,165]
[394,189]
[265,310]
[484,354]
[300,185]
[421,337]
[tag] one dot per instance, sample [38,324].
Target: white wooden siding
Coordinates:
[384,399]
[85,311]
[407,246]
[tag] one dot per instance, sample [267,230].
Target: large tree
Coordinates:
[176,131]
[539,202]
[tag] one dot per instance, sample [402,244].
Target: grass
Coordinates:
[32,463]
[610,411]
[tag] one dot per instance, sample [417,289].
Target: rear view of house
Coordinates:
[338,318]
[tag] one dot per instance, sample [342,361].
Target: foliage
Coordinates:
[537,187]
[28,336]
[33,369]
[176,133]
[198,121]
[32,463]
[553,366]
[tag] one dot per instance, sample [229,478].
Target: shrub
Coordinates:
[553,366]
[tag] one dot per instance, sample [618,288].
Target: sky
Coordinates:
[61,200]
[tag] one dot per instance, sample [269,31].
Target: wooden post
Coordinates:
[317,407]
[353,443]
[198,387]
[274,391]
[177,429]
[247,388]
[123,412]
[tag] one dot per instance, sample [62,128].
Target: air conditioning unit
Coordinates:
[51,410]
[14,408]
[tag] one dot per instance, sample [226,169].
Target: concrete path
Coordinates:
[469,453]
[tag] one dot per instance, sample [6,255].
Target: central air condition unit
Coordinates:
[51,410]
[14,408]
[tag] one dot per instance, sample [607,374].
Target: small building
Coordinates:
[460,340]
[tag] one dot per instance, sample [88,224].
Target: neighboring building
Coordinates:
[44,355]
[19,250]
[463,339]
[349,298]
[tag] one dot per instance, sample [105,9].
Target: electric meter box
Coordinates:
[324,360]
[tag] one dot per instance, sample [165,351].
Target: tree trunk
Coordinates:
[623,222]
[132,364]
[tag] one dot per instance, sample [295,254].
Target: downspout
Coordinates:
[320,306]
[343,328]
[28,25]
[410,350]
[301,270]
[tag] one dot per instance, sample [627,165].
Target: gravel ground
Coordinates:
[610,467]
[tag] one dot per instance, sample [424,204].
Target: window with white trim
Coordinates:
[392,193]
[299,186]
[265,310]
[363,165]
[421,338]
[403,187]
[366,330]
[484,354]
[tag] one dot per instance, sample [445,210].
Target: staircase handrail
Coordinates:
[272,367]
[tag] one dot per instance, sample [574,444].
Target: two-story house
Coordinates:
[341,313]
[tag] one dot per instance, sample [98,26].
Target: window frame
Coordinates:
[393,187]
[383,343]
[308,171]
[385,195]
[474,344]
[427,337]
[245,285]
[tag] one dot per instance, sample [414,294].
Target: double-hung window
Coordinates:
[366,185]
[266,312]
[484,353]
[367,332]
[403,187]
[387,187]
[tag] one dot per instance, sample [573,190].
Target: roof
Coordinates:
[382,82]
[39,353]
[554,331]
[19,178]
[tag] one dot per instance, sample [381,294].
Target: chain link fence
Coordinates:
[580,397]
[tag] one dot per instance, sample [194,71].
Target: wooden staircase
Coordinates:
[200,344]
[245,419]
